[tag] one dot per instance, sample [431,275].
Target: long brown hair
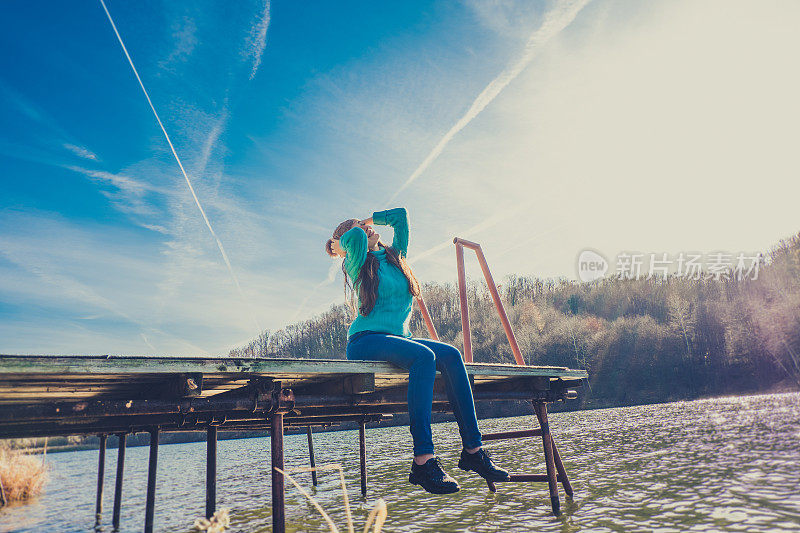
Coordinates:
[367,281]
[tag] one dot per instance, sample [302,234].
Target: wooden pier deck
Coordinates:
[95,395]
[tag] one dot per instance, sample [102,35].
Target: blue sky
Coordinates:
[538,129]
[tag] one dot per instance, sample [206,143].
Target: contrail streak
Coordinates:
[178,159]
[534,237]
[496,218]
[556,20]
[334,268]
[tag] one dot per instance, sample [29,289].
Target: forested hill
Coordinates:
[641,340]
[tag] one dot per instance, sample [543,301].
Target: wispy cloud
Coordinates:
[129,195]
[125,183]
[211,141]
[258,40]
[147,342]
[503,214]
[30,109]
[38,264]
[221,248]
[555,20]
[534,237]
[155,227]
[332,271]
[89,275]
[80,151]
[184,34]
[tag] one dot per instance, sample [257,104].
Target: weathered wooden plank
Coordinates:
[83,365]
[31,380]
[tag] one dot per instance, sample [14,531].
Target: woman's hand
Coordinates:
[366,225]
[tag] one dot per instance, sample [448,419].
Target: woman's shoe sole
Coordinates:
[412,481]
[498,479]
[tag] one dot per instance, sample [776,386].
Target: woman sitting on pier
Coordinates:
[386,287]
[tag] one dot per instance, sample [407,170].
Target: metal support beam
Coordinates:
[331,407]
[512,434]
[543,478]
[562,472]
[552,481]
[362,448]
[501,311]
[426,316]
[211,471]
[311,456]
[152,467]
[101,472]
[118,481]
[498,303]
[276,444]
[462,298]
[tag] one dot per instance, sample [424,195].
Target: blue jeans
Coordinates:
[422,357]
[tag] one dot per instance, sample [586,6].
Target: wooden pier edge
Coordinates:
[89,395]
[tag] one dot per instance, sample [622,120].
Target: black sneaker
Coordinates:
[432,478]
[481,463]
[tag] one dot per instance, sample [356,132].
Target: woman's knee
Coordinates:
[448,354]
[423,357]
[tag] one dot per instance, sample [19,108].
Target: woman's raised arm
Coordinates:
[397,218]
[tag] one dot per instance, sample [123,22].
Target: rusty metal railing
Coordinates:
[423,309]
[462,296]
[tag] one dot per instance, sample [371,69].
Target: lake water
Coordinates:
[729,464]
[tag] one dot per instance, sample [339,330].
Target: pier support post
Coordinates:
[118,481]
[101,472]
[562,472]
[362,448]
[276,444]
[152,467]
[311,456]
[541,414]
[211,471]
[462,298]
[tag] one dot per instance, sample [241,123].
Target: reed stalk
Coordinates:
[377,514]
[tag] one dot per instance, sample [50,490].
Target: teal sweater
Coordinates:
[392,310]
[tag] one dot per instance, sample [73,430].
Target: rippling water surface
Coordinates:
[729,464]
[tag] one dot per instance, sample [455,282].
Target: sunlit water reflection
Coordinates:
[729,464]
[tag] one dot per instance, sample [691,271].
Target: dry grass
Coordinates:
[216,524]
[22,476]
[376,518]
